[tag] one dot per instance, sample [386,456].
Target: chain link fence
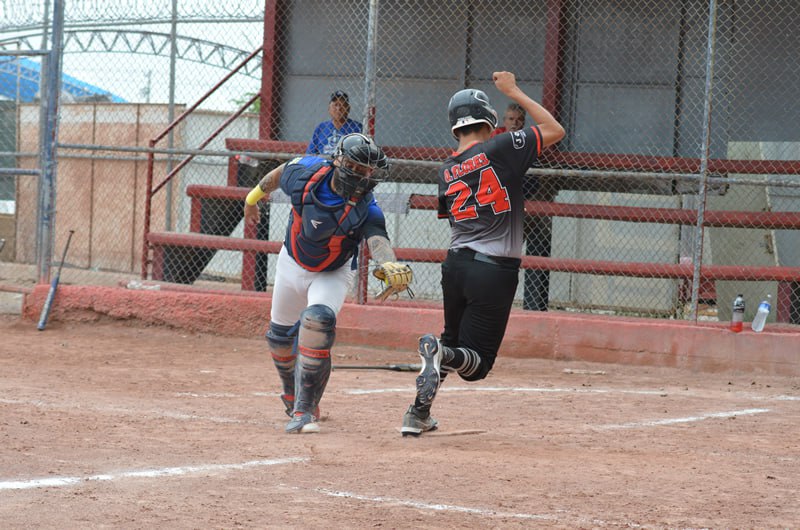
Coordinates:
[675,189]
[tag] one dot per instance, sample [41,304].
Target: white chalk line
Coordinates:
[468,389]
[436,507]
[60,482]
[688,419]
[543,390]
[54,482]
[472,389]
[484,512]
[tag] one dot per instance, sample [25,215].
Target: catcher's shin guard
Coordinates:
[317,333]
[281,340]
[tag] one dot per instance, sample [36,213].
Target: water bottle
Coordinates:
[761,315]
[737,317]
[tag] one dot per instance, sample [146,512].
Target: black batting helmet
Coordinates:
[361,166]
[470,106]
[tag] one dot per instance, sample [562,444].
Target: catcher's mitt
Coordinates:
[396,277]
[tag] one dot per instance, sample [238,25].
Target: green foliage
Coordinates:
[255,108]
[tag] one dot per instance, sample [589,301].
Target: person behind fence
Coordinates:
[480,193]
[513,119]
[327,134]
[332,210]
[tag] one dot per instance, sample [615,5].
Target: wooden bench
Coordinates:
[204,198]
[187,248]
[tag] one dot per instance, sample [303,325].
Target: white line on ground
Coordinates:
[437,507]
[52,482]
[207,395]
[410,389]
[467,510]
[689,419]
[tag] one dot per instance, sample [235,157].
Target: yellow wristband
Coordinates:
[254,196]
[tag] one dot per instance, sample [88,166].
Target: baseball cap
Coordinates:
[340,95]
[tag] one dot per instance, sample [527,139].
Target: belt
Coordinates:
[480,256]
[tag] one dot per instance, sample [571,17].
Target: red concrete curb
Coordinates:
[552,335]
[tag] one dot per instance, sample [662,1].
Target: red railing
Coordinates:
[150,190]
[713,218]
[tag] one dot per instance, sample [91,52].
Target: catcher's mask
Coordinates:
[470,106]
[359,166]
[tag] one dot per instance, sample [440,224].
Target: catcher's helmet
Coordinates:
[361,166]
[470,106]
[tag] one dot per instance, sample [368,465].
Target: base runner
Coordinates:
[480,193]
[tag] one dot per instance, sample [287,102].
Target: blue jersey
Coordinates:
[324,231]
[326,136]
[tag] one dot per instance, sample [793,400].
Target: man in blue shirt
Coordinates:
[328,133]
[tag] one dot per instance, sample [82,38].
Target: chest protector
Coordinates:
[322,237]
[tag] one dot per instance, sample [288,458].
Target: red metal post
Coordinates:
[148,201]
[269,81]
[552,79]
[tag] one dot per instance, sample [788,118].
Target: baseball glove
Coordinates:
[396,278]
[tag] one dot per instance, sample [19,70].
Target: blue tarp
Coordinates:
[29,78]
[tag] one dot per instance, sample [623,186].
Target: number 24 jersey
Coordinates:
[480,192]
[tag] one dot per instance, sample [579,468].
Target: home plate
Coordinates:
[437,432]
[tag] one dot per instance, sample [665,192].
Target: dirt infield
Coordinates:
[117,425]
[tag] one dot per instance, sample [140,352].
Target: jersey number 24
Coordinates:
[490,192]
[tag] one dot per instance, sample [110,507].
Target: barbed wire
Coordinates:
[26,14]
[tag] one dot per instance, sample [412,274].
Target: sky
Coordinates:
[142,77]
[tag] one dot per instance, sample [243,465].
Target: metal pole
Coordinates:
[371,69]
[45,226]
[18,88]
[46,22]
[173,53]
[370,72]
[702,192]
[43,68]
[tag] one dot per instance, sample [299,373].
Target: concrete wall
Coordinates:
[103,199]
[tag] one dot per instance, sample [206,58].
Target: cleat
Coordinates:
[428,380]
[302,423]
[415,422]
[288,402]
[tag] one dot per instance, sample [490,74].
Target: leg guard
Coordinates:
[316,336]
[281,340]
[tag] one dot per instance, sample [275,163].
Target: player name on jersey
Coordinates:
[467,166]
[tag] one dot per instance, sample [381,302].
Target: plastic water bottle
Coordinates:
[761,315]
[737,317]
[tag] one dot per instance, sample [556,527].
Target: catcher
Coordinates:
[333,209]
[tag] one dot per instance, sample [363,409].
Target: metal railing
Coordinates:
[151,189]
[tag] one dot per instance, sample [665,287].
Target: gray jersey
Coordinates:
[480,192]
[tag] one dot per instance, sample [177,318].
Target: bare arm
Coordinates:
[267,185]
[380,249]
[552,131]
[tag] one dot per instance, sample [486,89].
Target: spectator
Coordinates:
[513,119]
[328,133]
